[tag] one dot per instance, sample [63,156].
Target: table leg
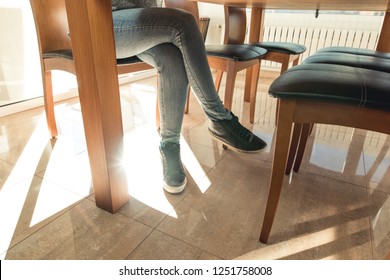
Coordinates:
[91,29]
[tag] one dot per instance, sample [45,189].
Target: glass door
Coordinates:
[20,69]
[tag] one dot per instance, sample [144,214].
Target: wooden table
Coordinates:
[90,23]
[259,7]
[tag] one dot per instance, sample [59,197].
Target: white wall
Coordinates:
[217,22]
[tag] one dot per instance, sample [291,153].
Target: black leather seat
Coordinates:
[373,61]
[336,84]
[67,54]
[236,52]
[282,47]
[356,51]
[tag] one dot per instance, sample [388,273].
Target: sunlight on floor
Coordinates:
[12,200]
[193,166]
[312,241]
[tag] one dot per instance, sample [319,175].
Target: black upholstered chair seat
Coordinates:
[67,53]
[335,83]
[281,47]
[359,61]
[356,51]
[235,52]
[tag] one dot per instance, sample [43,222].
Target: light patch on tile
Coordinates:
[144,170]
[69,171]
[11,200]
[303,244]
[84,232]
[193,166]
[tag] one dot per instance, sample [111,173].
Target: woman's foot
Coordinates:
[174,180]
[234,135]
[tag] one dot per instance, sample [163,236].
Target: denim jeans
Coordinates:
[170,40]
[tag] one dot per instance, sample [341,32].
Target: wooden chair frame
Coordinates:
[53,35]
[301,111]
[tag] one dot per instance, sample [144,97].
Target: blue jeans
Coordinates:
[170,40]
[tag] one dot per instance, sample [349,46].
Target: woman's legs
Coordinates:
[170,40]
[138,30]
[172,88]
[172,95]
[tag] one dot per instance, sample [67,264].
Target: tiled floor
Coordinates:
[336,207]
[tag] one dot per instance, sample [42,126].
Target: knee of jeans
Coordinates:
[167,55]
[184,20]
[163,57]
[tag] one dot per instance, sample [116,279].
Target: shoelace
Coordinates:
[239,130]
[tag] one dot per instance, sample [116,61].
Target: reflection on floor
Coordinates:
[336,207]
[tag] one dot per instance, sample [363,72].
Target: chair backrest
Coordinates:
[235,25]
[189,6]
[51,24]
[235,19]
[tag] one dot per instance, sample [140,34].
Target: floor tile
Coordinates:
[225,218]
[159,246]
[83,232]
[149,203]
[380,216]
[28,206]
[377,161]
[335,152]
[318,218]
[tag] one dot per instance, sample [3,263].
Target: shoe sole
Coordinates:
[234,148]
[177,189]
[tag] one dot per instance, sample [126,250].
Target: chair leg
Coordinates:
[253,91]
[293,147]
[296,61]
[248,78]
[306,130]
[283,135]
[229,88]
[277,112]
[388,256]
[285,64]
[187,107]
[49,105]
[218,80]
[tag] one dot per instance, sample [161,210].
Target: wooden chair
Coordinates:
[324,93]
[284,53]
[231,57]
[355,57]
[56,51]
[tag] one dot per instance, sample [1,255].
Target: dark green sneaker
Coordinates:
[174,180]
[235,136]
